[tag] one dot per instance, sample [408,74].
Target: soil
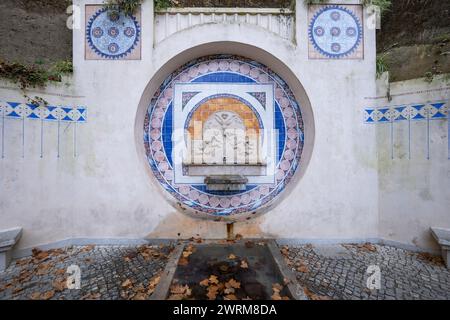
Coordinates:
[415,38]
[34,31]
[415,34]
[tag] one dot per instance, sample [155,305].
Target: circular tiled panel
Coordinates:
[112,34]
[158,137]
[335,31]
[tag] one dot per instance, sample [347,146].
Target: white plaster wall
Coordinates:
[414,194]
[108,191]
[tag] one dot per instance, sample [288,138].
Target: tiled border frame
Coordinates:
[315,52]
[92,53]
[199,203]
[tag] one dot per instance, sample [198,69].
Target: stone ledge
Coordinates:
[442,237]
[8,238]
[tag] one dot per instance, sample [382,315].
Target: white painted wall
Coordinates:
[108,191]
[414,194]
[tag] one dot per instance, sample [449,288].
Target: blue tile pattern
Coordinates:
[159,126]
[408,112]
[112,36]
[17,110]
[335,31]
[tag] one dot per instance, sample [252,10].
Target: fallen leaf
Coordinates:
[244,264]
[285,250]
[212,294]
[152,284]
[186,254]
[35,296]
[276,287]
[127,283]
[60,272]
[213,279]
[204,283]
[233,284]
[59,285]
[88,248]
[178,289]
[302,268]
[229,290]
[231,256]
[230,297]
[276,296]
[38,254]
[140,296]
[48,295]
[183,261]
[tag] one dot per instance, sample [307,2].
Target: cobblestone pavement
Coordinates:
[132,272]
[107,272]
[339,272]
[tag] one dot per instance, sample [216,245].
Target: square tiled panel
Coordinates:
[110,35]
[336,32]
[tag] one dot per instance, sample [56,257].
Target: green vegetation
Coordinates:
[128,7]
[35,75]
[381,65]
[384,5]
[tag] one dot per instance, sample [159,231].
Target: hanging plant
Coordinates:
[127,7]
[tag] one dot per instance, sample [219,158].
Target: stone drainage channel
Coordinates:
[253,270]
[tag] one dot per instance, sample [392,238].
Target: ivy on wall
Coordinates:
[34,76]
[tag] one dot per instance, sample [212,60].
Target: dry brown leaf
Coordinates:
[127,283]
[230,297]
[276,296]
[212,295]
[302,268]
[183,261]
[231,256]
[233,284]
[35,296]
[204,283]
[430,258]
[285,250]
[59,285]
[88,248]
[229,290]
[152,284]
[38,254]
[276,287]
[178,289]
[140,296]
[60,272]
[244,264]
[367,247]
[213,279]
[48,295]
[186,254]
[43,268]
[176,297]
